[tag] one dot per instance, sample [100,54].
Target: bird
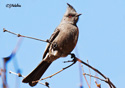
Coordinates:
[61,43]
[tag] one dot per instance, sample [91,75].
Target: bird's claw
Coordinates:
[72,56]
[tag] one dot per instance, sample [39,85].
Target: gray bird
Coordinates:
[62,42]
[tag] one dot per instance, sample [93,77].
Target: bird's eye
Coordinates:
[69,15]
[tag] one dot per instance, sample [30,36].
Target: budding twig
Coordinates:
[19,35]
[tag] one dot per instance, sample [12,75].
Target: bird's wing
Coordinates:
[53,36]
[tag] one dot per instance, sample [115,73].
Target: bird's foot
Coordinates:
[72,56]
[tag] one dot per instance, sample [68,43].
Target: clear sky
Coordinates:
[101,39]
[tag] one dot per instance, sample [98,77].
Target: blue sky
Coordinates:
[101,39]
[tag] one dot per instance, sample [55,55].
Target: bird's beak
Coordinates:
[78,14]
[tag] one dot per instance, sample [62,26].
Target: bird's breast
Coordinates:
[67,39]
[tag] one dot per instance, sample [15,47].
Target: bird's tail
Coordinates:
[36,73]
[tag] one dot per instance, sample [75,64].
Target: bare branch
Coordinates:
[19,75]
[107,80]
[19,35]
[74,61]
[94,76]
[46,83]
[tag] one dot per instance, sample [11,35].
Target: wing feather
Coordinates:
[53,36]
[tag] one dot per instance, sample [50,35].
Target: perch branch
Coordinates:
[74,61]
[19,35]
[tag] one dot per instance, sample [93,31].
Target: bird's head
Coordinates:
[71,16]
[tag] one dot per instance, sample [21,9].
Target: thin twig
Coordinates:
[89,73]
[56,72]
[85,77]
[107,80]
[19,75]
[19,35]
[93,76]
